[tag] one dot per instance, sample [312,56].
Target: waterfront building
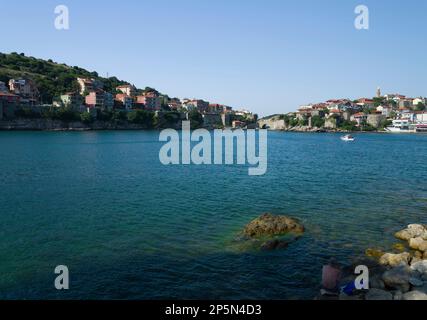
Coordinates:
[26,89]
[72,99]
[360,118]
[124,101]
[100,99]
[149,101]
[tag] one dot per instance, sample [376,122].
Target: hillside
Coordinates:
[51,78]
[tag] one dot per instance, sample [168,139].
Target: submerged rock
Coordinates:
[374,253]
[274,244]
[394,260]
[272,225]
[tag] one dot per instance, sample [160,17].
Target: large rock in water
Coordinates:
[272,225]
[413,231]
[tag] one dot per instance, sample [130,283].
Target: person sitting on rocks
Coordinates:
[331,276]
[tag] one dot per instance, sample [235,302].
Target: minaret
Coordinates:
[378,92]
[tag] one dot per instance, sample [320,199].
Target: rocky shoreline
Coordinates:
[397,275]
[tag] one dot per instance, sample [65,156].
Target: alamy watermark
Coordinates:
[62,20]
[362,19]
[215,147]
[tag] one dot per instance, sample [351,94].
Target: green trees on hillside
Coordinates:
[52,79]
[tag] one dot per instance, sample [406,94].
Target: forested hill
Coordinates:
[51,78]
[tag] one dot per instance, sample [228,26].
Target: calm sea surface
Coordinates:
[130,228]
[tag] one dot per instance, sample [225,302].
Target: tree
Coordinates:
[420,107]
[317,121]
[86,117]
[196,119]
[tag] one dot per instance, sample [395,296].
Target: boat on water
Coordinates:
[402,126]
[348,138]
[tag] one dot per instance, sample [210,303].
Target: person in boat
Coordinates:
[331,277]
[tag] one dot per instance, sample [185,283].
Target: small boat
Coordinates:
[348,138]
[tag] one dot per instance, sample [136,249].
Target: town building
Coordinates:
[88,85]
[127,89]
[124,101]
[100,99]
[25,89]
[360,118]
[149,101]
[72,100]
[405,104]
[196,104]
[175,104]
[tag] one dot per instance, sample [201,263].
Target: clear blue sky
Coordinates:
[268,56]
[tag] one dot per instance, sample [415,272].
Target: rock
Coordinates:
[272,225]
[395,259]
[418,244]
[397,278]
[425,255]
[374,253]
[376,282]
[378,294]
[274,245]
[397,295]
[415,295]
[420,266]
[416,282]
[413,231]
[418,255]
[399,247]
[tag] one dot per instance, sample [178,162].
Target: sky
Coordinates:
[268,56]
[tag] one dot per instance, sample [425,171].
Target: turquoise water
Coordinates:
[130,228]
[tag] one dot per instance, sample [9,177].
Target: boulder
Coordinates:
[272,225]
[378,294]
[420,266]
[415,295]
[376,282]
[416,282]
[394,260]
[418,244]
[397,295]
[397,278]
[413,231]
